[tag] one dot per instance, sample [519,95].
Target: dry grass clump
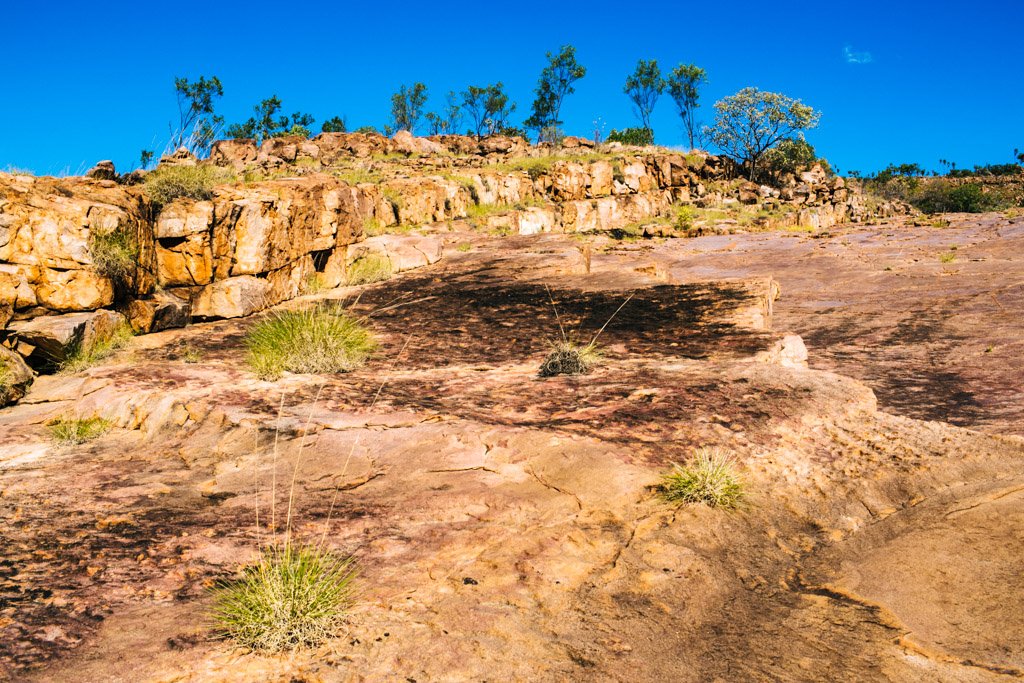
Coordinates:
[293,596]
[369,268]
[708,478]
[570,358]
[82,356]
[321,339]
[166,184]
[115,254]
[68,431]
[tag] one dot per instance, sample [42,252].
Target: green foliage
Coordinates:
[166,184]
[684,87]
[753,121]
[991,170]
[555,83]
[463,247]
[789,157]
[553,135]
[358,175]
[321,339]
[115,254]
[69,431]
[407,107]
[488,108]
[81,356]
[369,268]
[293,596]
[708,478]
[145,158]
[643,87]
[947,257]
[367,130]
[638,137]
[267,123]
[198,125]
[446,122]
[335,124]
[941,196]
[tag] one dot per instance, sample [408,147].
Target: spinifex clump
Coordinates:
[293,596]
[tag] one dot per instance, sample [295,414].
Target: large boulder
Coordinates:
[15,377]
[46,341]
[233,298]
[163,312]
[407,143]
[104,170]
[235,153]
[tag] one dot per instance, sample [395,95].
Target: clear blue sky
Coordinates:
[896,81]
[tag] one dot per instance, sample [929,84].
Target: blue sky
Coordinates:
[895,81]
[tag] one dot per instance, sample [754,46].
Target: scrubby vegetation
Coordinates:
[709,478]
[369,268]
[908,182]
[81,356]
[166,184]
[638,137]
[320,339]
[115,254]
[72,431]
[570,358]
[293,596]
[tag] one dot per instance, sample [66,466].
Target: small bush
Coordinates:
[708,478]
[313,340]
[570,358]
[638,137]
[82,356]
[369,268]
[166,184]
[292,597]
[115,254]
[948,257]
[463,247]
[72,431]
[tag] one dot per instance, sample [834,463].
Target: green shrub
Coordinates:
[81,356]
[708,478]
[369,268]
[638,137]
[166,184]
[73,431]
[115,254]
[292,597]
[941,196]
[311,340]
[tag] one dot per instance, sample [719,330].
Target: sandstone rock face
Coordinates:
[233,297]
[407,143]
[404,252]
[235,153]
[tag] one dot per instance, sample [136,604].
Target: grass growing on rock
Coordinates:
[115,254]
[570,358]
[68,431]
[294,596]
[708,478]
[321,339]
[369,268]
[164,185]
[83,356]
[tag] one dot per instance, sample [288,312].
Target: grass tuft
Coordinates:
[570,358]
[294,596]
[72,431]
[321,339]
[947,257]
[369,268]
[708,478]
[83,356]
[164,185]
[115,254]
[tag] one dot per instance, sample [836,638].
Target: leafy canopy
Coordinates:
[753,121]
[555,83]
[643,87]
[684,88]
